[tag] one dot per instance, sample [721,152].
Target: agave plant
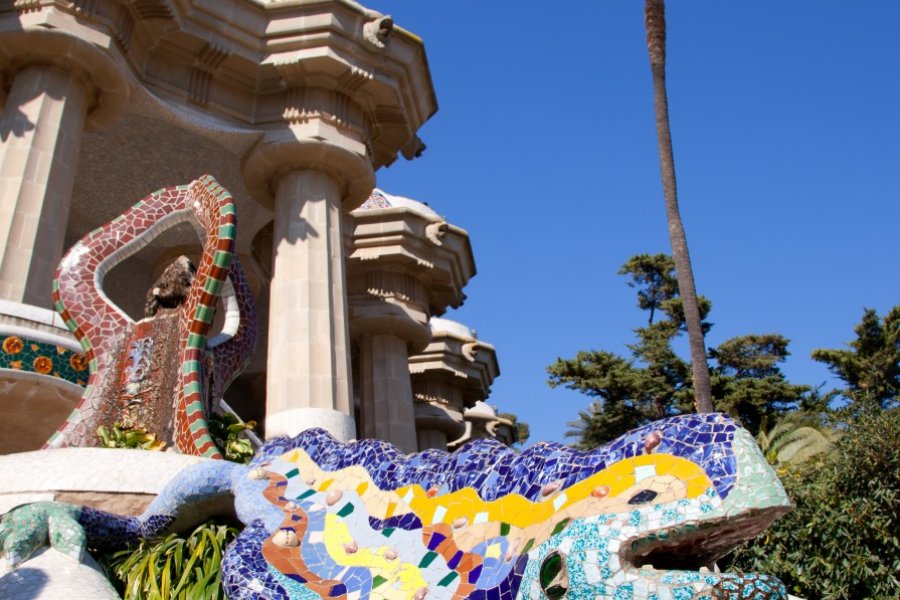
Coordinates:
[794,438]
[174,567]
[122,436]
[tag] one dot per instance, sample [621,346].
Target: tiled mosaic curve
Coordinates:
[361,520]
[102,328]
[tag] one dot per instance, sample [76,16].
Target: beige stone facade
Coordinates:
[293,106]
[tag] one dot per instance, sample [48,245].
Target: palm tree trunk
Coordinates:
[655,21]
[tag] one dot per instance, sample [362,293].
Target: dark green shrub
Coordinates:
[842,540]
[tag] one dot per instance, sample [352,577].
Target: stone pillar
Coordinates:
[437,408]
[41,127]
[308,362]
[432,438]
[452,373]
[405,264]
[387,322]
[386,405]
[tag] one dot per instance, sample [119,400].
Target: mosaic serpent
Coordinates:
[128,381]
[640,518]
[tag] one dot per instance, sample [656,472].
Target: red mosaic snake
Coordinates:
[206,369]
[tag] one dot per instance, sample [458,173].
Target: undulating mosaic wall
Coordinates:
[641,518]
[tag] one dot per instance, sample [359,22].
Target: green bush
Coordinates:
[842,540]
[173,567]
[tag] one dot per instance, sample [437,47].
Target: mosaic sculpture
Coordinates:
[160,373]
[641,518]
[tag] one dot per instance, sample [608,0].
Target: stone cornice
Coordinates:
[262,65]
[470,365]
[398,237]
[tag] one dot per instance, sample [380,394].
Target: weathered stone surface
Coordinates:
[124,504]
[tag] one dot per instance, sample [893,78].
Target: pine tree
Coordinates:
[748,383]
[654,382]
[870,368]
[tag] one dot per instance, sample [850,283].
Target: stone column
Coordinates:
[453,372]
[438,408]
[386,405]
[41,127]
[387,322]
[309,183]
[432,438]
[308,364]
[405,264]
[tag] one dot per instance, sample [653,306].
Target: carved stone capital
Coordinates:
[440,418]
[281,151]
[386,318]
[455,368]
[44,37]
[413,241]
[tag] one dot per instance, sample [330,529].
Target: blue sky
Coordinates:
[787,146]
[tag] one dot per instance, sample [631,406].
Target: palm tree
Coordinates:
[794,438]
[655,21]
[582,428]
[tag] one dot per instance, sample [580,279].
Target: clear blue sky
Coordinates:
[787,144]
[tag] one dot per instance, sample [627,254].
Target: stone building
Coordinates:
[293,106]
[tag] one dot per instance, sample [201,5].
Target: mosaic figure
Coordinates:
[643,518]
[160,373]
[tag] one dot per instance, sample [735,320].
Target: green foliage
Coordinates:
[652,275]
[871,365]
[751,355]
[595,426]
[842,540]
[522,429]
[748,383]
[173,567]
[134,438]
[654,382]
[227,430]
[645,387]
